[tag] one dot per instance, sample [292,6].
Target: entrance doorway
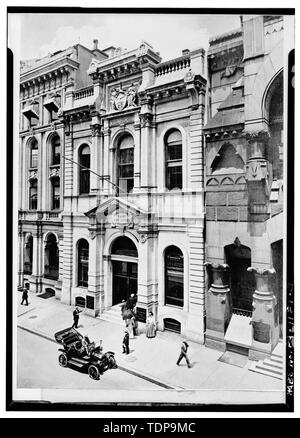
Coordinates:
[124,280]
[124,257]
[242,284]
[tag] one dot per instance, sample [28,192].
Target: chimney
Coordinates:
[95,44]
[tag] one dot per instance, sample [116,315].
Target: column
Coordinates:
[37,258]
[95,156]
[137,156]
[218,309]
[95,294]
[106,160]
[58,285]
[196,293]
[147,281]
[265,317]
[66,294]
[146,151]
[21,258]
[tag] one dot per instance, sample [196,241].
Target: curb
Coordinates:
[127,369]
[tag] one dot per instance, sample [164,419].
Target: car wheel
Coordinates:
[63,360]
[94,372]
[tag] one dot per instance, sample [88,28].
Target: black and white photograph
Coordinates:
[149,217]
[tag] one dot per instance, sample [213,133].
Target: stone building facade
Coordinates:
[112,192]
[244,183]
[119,194]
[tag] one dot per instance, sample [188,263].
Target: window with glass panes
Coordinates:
[174,276]
[34,151]
[126,164]
[174,161]
[55,193]
[84,172]
[56,151]
[83,263]
[33,197]
[27,268]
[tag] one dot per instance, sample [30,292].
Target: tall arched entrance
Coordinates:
[124,257]
[242,286]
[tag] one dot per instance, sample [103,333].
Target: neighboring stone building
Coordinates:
[112,196]
[244,187]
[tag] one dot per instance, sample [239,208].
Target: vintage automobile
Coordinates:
[81,353]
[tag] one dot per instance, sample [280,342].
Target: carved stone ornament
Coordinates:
[121,218]
[121,99]
[146,120]
[143,238]
[53,126]
[142,50]
[93,66]
[33,175]
[92,234]
[189,76]
[260,136]
[96,130]
[54,173]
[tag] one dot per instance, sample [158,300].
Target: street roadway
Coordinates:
[37,367]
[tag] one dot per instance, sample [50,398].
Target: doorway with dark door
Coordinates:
[124,257]
[124,281]
[242,284]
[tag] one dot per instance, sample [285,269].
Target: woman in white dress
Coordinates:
[150,326]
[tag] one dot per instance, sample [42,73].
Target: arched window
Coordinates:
[124,246]
[227,161]
[55,150]
[174,276]
[27,268]
[34,152]
[275,109]
[173,152]
[83,263]
[51,266]
[126,164]
[84,172]
[33,196]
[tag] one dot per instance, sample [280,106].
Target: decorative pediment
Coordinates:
[116,212]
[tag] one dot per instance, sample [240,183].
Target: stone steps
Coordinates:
[271,366]
[113,315]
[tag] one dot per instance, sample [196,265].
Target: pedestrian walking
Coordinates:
[76,317]
[150,326]
[25,294]
[125,344]
[183,353]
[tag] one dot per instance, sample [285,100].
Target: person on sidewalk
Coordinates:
[123,307]
[76,317]
[134,324]
[150,326]
[25,294]
[183,353]
[132,300]
[125,344]
[129,326]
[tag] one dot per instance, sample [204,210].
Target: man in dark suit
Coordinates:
[25,294]
[76,317]
[183,353]
[126,342]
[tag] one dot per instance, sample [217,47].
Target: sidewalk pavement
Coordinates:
[153,359]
